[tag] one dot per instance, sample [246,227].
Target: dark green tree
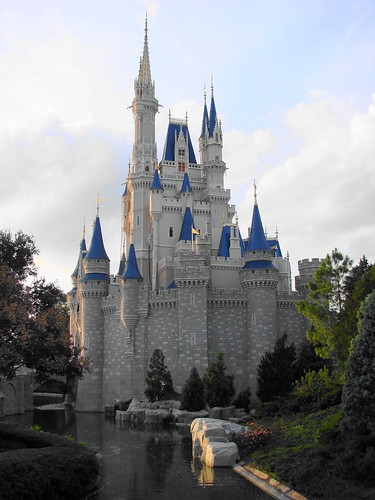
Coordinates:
[192,396]
[33,317]
[324,308]
[276,371]
[219,388]
[159,379]
[358,425]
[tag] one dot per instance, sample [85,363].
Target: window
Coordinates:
[171,231]
[137,220]
[193,338]
[181,152]
[147,168]
[181,166]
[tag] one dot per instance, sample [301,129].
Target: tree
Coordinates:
[219,388]
[192,396]
[159,379]
[358,425]
[324,308]
[33,317]
[276,371]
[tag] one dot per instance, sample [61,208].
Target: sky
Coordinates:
[294,84]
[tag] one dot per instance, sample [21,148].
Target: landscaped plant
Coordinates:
[219,388]
[253,437]
[192,396]
[243,400]
[358,424]
[159,379]
[277,371]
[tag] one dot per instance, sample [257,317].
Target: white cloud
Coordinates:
[322,197]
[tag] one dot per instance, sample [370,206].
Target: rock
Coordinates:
[253,412]
[135,403]
[138,414]
[156,416]
[215,412]
[122,415]
[236,420]
[222,413]
[183,416]
[220,454]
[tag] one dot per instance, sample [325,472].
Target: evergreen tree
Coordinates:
[159,379]
[219,388]
[324,308]
[192,396]
[358,399]
[277,371]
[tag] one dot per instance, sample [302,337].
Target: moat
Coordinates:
[139,463]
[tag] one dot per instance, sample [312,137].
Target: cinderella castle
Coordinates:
[188,282]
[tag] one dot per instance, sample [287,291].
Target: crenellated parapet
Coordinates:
[307,269]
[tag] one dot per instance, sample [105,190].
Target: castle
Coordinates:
[190,284]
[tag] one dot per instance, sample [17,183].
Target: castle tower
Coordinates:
[144,160]
[156,201]
[259,278]
[93,288]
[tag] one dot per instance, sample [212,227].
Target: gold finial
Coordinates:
[84,229]
[186,118]
[99,201]
[204,93]
[212,84]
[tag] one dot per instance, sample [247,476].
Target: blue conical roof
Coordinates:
[132,271]
[97,250]
[156,183]
[125,193]
[186,188]
[82,247]
[187,224]
[173,133]
[121,267]
[224,242]
[257,240]
[212,121]
[204,121]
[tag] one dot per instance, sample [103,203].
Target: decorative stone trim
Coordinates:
[218,303]
[172,304]
[286,305]
[191,283]
[93,294]
[259,284]
[109,309]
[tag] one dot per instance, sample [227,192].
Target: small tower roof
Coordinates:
[224,244]
[121,267]
[187,225]
[82,250]
[156,183]
[213,116]
[144,75]
[205,118]
[132,271]
[173,132]
[125,193]
[97,250]
[275,245]
[257,240]
[186,188]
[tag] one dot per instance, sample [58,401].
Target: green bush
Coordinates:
[219,388]
[44,466]
[192,396]
[252,438]
[159,379]
[243,400]
[358,424]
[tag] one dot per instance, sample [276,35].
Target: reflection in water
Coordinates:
[145,462]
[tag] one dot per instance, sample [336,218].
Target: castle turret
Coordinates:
[259,278]
[93,288]
[156,206]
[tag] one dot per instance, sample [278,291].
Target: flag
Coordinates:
[194,231]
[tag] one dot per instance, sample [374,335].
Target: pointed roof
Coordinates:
[132,271]
[224,244]
[156,183]
[173,131]
[125,193]
[257,240]
[213,116]
[97,250]
[204,119]
[144,75]
[172,285]
[186,188]
[275,245]
[187,224]
[82,251]
[121,267]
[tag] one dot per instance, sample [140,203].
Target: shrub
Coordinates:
[277,371]
[192,396]
[159,379]
[218,386]
[243,400]
[358,424]
[251,438]
[317,390]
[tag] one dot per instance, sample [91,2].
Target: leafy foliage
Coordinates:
[219,388]
[277,371]
[33,317]
[359,390]
[324,307]
[243,400]
[253,437]
[159,379]
[192,396]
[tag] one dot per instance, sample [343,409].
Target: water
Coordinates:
[145,462]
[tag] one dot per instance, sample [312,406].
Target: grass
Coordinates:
[307,452]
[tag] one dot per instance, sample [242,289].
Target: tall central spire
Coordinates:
[144,75]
